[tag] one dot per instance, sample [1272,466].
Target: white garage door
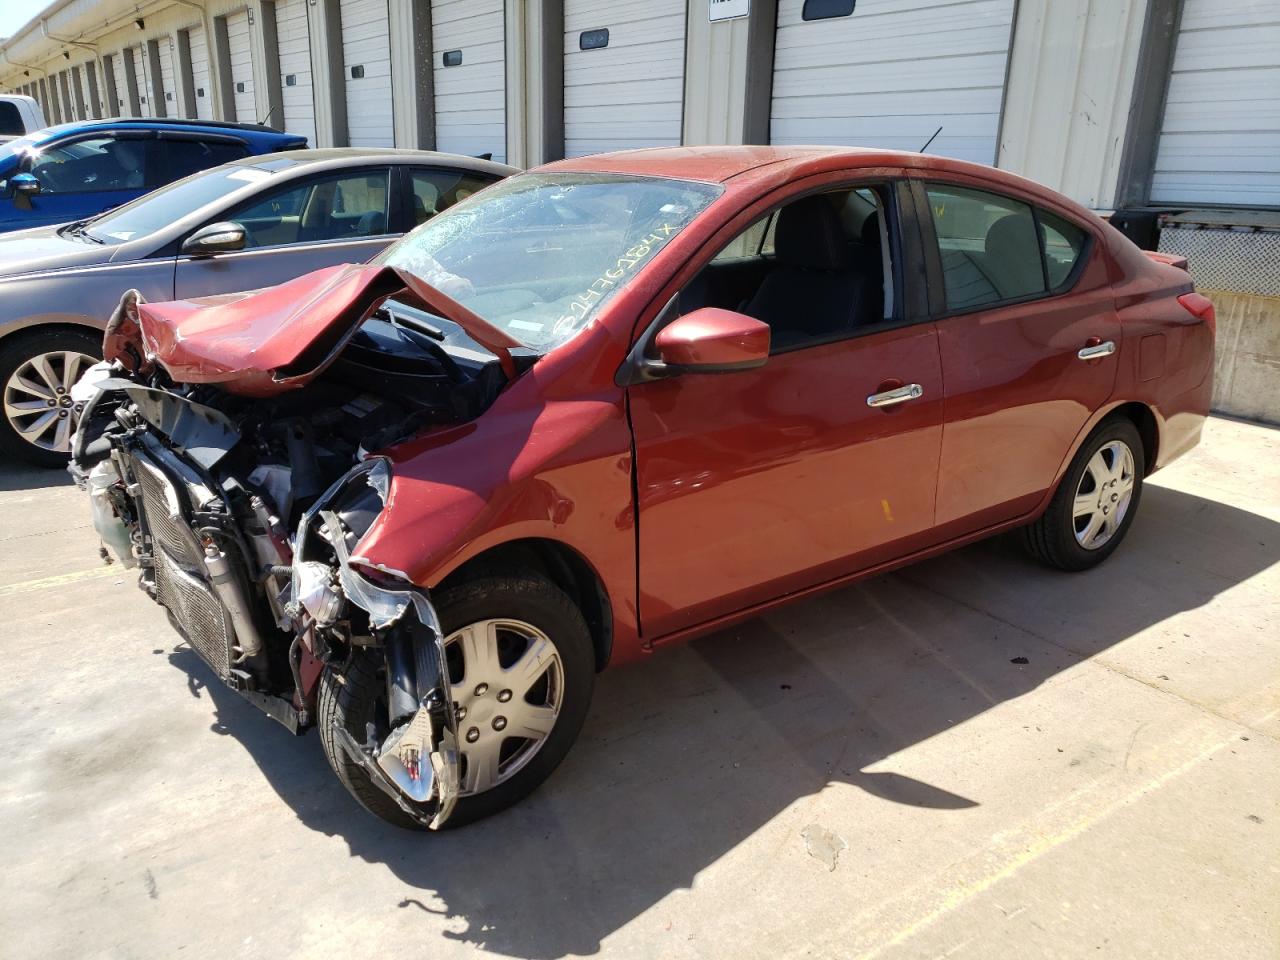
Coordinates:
[626,89]
[172,108]
[241,66]
[141,76]
[891,73]
[295,69]
[1220,137]
[366,57]
[200,73]
[469,67]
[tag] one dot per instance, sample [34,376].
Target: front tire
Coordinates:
[520,661]
[37,370]
[1095,502]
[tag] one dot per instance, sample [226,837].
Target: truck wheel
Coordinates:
[522,668]
[1095,503]
[37,370]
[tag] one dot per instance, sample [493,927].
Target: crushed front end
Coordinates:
[242,515]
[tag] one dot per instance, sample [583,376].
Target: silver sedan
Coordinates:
[249,224]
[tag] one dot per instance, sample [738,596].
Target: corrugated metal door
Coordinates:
[172,106]
[1220,136]
[295,69]
[469,67]
[623,75]
[890,73]
[366,58]
[241,66]
[142,77]
[200,73]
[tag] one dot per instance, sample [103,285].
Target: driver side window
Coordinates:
[91,165]
[335,208]
[818,269]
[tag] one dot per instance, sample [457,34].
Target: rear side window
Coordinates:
[995,249]
[1063,244]
[11,124]
[181,158]
[435,191]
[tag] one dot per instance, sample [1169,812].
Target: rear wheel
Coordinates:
[37,370]
[522,668]
[1096,500]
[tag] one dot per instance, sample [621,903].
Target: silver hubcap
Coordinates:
[37,399]
[1102,499]
[508,681]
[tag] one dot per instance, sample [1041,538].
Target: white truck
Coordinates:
[19,116]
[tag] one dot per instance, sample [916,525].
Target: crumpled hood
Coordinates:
[265,342]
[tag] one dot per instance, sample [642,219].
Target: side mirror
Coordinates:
[24,184]
[711,340]
[225,237]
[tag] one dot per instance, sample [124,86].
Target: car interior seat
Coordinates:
[1008,261]
[814,290]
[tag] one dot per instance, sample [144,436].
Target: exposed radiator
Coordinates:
[180,584]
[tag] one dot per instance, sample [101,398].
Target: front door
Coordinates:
[1026,290]
[301,227]
[85,177]
[755,484]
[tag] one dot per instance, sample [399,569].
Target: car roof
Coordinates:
[720,164]
[163,123]
[338,157]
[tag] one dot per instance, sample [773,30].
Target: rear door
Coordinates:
[1029,338]
[298,227]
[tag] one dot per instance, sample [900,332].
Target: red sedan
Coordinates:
[614,403]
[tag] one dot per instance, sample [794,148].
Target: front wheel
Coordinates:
[38,368]
[1095,503]
[522,668]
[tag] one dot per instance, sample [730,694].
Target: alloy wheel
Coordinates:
[37,399]
[1103,495]
[508,682]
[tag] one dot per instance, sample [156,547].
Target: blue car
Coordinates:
[78,170]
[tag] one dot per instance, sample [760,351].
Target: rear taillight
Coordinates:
[1198,305]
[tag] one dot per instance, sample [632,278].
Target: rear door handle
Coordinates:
[911,391]
[1096,351]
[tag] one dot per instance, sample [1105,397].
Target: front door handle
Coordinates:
[1095,350]
[911,391]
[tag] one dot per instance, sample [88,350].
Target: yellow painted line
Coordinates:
[62,579]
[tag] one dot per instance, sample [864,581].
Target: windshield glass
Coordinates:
[162,207]
[538,254]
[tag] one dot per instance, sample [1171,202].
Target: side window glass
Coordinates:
[332,209]
[1063,244]
[91,165]
[11,124]
[181,158]
[988,244]
[435,191]
[818,269]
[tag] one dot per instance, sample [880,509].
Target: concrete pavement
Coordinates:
[998,760]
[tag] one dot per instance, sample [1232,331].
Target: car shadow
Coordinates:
[688,753]
[20,476]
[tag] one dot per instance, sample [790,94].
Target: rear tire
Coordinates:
[1095,502]
[356,699]
[36,395]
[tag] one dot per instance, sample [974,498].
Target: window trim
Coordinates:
[317,178]
[932,252]
[910,304]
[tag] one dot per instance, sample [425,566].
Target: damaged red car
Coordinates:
[611,404]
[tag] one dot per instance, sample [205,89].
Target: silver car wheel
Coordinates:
[37,399]
[508,682]
[1103,495]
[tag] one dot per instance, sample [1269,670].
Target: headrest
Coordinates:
[1011,236]
[809,235]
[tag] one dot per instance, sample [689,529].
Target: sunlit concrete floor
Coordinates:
[1115,795]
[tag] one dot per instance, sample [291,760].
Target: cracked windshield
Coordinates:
[537,255]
